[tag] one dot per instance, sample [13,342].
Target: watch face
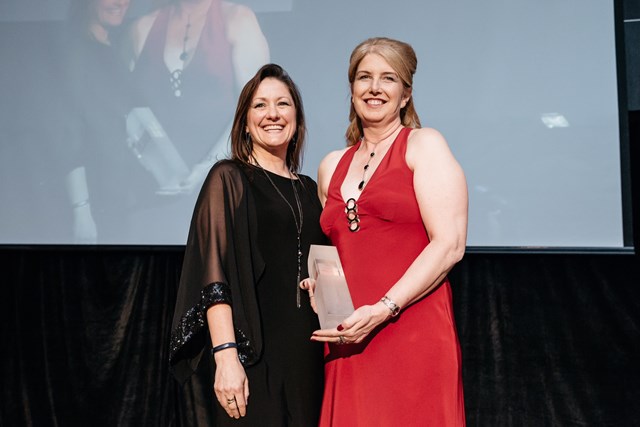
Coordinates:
[395,310]
[393,307]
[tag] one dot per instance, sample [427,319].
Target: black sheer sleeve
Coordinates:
[222,264]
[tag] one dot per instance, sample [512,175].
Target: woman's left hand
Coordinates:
[355,328]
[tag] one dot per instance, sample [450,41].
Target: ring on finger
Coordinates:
[230,401]
[341,339]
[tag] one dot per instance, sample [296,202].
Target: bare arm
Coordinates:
[230,378]
[249,47]
[84,227]
[249,51]
[325,172]
[441,191]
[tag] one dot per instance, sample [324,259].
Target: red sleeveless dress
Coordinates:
[408,372]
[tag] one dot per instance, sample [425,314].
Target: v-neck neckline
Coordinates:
[194,53]
[355,148]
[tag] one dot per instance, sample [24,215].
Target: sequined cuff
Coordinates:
[195,320]
[246,353]
[215,293]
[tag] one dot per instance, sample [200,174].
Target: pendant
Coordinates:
[176,82]
[299,272]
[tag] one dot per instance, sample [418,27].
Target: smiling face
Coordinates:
[271,119]
[377,91]
[110,13]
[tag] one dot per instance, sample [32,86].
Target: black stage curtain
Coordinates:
[547,340]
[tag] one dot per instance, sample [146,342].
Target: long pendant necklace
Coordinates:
[373,153]
[295,219]
[351,206]
[184,55]
[176,75]
[364,172]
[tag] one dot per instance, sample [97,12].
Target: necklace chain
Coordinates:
[364,171]
[373,153]
[176,75]
[295,219]
[184,55]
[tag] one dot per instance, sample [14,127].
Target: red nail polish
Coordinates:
[340,327]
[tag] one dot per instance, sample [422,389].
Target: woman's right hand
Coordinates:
[309,284]
[231,384]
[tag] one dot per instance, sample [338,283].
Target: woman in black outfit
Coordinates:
[105,181]
[240,320]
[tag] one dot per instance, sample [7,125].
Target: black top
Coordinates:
[100,96]
[283,324]
[242,251]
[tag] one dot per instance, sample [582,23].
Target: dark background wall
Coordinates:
[547,339]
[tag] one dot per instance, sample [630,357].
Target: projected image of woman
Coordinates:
[240,320]
[190,59]
[395,205]
[103,171]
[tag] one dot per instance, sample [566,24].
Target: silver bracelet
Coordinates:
[80,204]
[392,306]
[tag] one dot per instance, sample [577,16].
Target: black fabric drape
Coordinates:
[222,264]
[85,338]
[547,340]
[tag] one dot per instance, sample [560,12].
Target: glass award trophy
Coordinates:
[333,300]
[154,150]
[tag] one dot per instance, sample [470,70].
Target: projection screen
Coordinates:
[525,92]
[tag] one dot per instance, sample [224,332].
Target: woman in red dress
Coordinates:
[395,206]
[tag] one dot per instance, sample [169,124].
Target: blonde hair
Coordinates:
[402,58]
